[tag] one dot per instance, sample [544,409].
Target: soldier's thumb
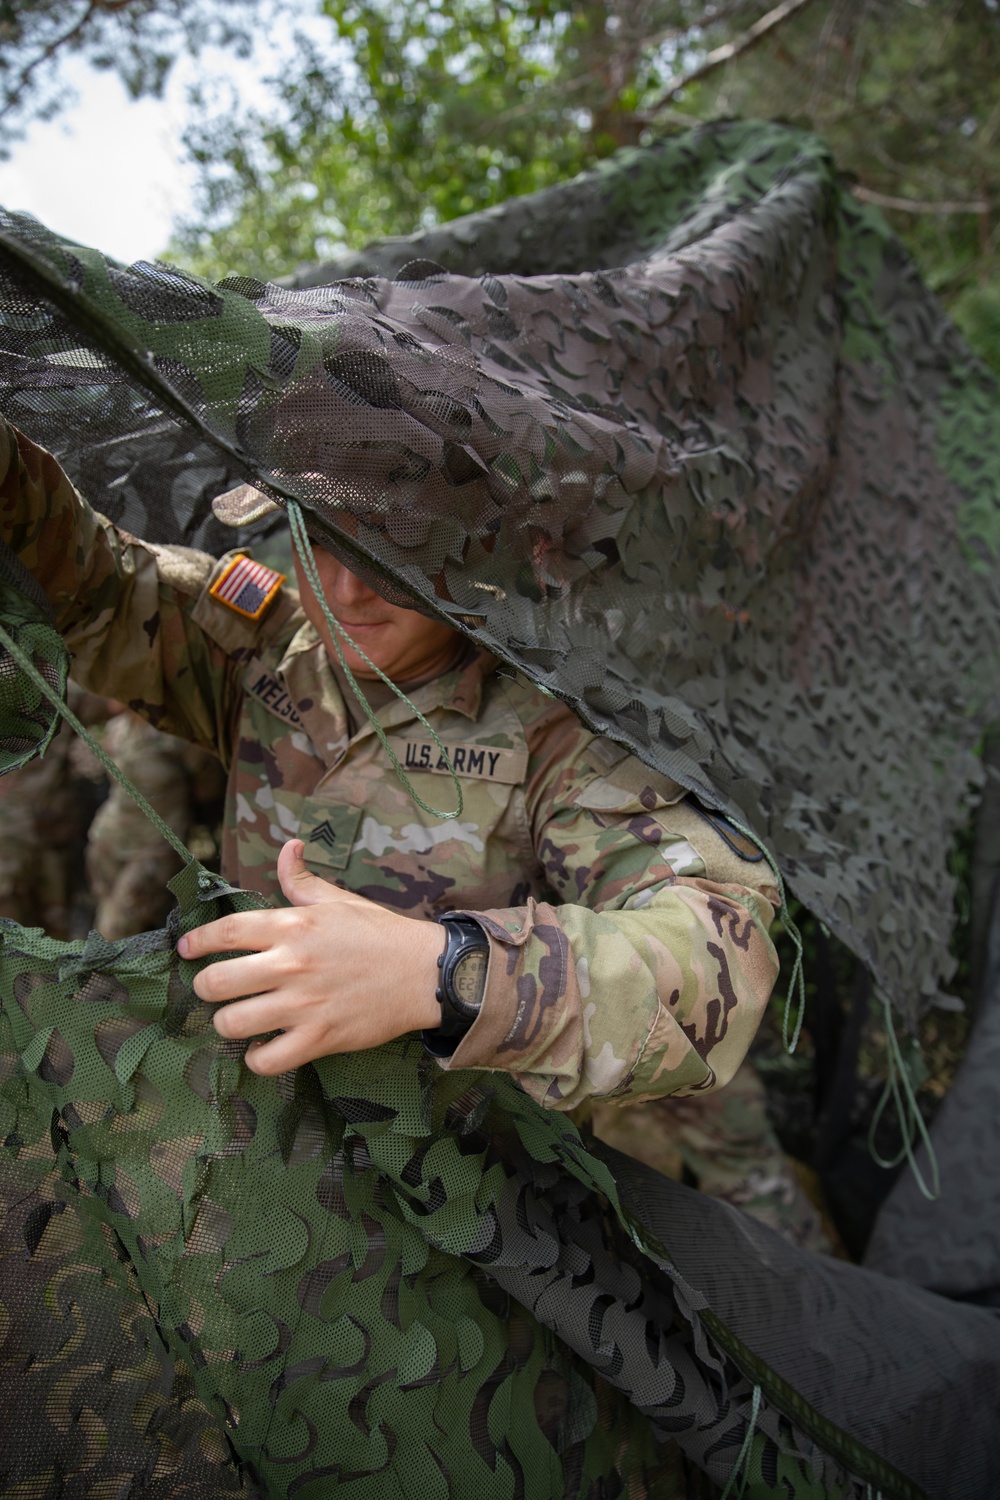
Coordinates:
[300,886]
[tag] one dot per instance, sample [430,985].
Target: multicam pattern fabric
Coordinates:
[630,949]
[672,494]
[128,861]
[41,829]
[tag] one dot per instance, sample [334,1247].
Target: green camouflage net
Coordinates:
[736,503]
[372,1278]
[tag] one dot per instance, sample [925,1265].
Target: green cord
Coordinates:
[744,1452]
[899,1088]
[30,670]
[337,632]
[797,979]
[796,983]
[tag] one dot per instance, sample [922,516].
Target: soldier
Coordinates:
[128,861]
[600,935]
[35,875]
[45,809]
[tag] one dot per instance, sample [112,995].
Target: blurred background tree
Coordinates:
[139,39]
[907,93]
[417,113]
[392,116]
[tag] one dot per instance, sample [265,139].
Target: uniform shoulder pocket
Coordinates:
[729,856]
[235,629]
[622,783]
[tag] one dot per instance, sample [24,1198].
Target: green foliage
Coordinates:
[397,116]
[410,115]
[976,310]
[384,117]
[907,94]
[140,40]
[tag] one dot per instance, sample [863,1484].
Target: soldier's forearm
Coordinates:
[630,1003]
[122,606]
[46,522]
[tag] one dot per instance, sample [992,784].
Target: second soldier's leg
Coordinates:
[725,1145]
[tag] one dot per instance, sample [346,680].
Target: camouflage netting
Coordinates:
[737,504]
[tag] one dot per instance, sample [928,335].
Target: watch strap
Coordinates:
[464,936]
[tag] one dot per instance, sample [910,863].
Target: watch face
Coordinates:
[468,980]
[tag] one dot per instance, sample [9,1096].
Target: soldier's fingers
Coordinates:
[282,1053]
[252,931]
[238,978]
[252,1018]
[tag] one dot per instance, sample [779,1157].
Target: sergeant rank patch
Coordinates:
[247,586]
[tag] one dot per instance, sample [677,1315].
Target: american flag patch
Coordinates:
[247,586]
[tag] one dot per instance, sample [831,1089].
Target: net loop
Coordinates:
[899,1088]
[739,1468]
[796,983]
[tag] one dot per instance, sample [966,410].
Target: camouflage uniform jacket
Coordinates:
[629,955]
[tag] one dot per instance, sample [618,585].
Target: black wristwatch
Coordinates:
[462,985]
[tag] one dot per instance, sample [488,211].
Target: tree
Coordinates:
[391,116]
[417,113]
[439,107]
[413,114]
[139,39]
[907,92]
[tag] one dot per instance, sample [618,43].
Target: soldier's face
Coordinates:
[407,646]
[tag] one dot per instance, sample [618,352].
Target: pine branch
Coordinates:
[721,55]
[14,95]
[918,205]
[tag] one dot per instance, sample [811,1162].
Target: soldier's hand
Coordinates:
[333,972]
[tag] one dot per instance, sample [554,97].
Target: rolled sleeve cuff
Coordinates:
[530,1016]
[681,983]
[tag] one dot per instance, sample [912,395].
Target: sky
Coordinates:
[108,171]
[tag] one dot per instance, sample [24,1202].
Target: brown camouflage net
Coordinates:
[736,503]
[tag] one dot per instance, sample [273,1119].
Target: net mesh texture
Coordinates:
[688,443]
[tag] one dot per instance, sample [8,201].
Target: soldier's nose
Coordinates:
[346,589]
[340,586]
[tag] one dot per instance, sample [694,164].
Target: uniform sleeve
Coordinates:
[126,610]
[649,971]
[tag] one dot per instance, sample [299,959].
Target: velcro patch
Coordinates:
[270,691]
[481,762]
[627,785]
[247,586]
[737,841]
